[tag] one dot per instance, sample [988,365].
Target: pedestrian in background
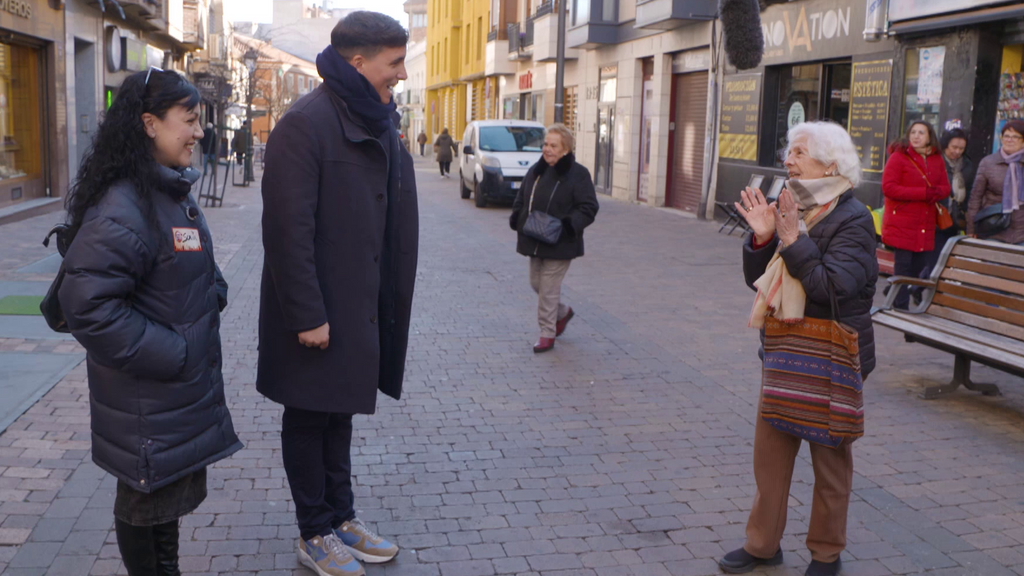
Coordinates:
[824,239]
[914,182]
[444,147]
[421,140]
[340,234]
[143,294]
[1000,182]
[208,145]
[559,187]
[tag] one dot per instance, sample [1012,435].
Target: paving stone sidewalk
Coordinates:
[625,451]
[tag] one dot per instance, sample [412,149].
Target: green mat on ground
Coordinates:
[20,306]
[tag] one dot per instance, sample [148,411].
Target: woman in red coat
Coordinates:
[914,179]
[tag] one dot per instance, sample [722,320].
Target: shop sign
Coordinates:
[812,30]
[16,7]
[691,61]
[113,52]
[135,59]
[929,80]
[741,105]
[869,110]
[796,115]
[910,9]
[526,81]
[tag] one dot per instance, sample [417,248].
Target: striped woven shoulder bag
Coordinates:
[811,383]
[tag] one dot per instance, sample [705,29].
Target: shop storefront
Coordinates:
[32,118]
[958,65]
[816,66]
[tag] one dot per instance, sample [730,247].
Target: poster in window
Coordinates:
[929,81]
[869,111]
[741,105]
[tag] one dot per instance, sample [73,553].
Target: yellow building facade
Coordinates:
[456,89]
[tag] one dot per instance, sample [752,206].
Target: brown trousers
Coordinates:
[774,457]
[546,277]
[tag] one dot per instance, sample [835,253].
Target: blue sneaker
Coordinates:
[364,544]
[327,556]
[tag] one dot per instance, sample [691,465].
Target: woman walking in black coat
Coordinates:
[444,147]
[818,240]
[143,295]
[559,187]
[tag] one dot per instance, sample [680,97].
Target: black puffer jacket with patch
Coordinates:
[143,295]
[839,250]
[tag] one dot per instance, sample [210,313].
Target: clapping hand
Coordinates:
[787,218]
[758,213]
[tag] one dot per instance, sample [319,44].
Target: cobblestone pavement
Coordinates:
[625,451]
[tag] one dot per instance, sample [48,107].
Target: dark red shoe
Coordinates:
[561,324]
[543,345]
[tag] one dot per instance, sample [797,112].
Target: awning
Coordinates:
[962,19]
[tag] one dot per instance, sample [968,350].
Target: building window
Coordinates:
[479,37]
[584,11]
[570,109]
[20,114]
[469,34]
[923,85]
[818,91]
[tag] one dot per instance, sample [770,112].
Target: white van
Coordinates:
[495,156]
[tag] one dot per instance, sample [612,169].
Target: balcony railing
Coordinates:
[492,35]
[546,7]
[528,34]
[513,38]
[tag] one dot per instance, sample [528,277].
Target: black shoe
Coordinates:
[824,569]
[740,561]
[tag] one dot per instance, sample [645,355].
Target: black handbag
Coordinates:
[50,306]
[542,226]
[990,221]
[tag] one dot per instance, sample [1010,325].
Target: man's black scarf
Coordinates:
[357,92]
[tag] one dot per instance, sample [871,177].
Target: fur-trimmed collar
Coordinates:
[562,167]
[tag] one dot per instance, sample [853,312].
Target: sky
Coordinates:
[261,10]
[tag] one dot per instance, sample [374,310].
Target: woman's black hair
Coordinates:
[951,135]
[121,150]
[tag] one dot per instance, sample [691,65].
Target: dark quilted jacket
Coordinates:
[574,203]
[149,319]
[840,249]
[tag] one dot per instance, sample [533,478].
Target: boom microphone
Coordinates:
[741,24]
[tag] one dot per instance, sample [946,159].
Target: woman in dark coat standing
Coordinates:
[560,187]
[444,146]
[825,240]
[913,181]
[143,295]
[995,184]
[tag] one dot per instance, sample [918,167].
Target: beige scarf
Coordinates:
[778,293]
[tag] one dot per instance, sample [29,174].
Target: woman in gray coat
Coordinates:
[143,295]
[999,186]
[444,147]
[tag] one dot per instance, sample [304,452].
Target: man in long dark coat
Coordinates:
[340,232]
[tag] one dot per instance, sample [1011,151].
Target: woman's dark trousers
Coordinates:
[907,263]
[446,167]
[316,450]
[148,550]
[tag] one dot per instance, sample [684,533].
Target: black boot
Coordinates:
[165,539]
[740,561]
[137,548]
[824,569]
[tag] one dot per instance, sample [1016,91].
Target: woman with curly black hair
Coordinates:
[143,295]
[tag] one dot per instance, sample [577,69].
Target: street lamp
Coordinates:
[249,59]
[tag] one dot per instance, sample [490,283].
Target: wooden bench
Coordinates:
[972,306]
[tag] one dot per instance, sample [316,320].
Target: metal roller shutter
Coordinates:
[691,95]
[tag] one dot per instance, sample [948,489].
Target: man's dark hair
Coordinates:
[367,33]
[951,135]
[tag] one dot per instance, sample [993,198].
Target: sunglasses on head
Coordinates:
[151,68]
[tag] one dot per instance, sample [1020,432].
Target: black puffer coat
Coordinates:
[840,249]
[574,203]
[143,295]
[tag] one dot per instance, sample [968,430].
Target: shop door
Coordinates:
[22,105]
[690,99]
[605,133]
[646,109]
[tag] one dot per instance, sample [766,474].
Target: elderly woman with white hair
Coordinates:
[810,255]
[555,203]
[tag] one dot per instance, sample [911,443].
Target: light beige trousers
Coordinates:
[546,280]
[774,456]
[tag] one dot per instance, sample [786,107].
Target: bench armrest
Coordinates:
[895,282]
